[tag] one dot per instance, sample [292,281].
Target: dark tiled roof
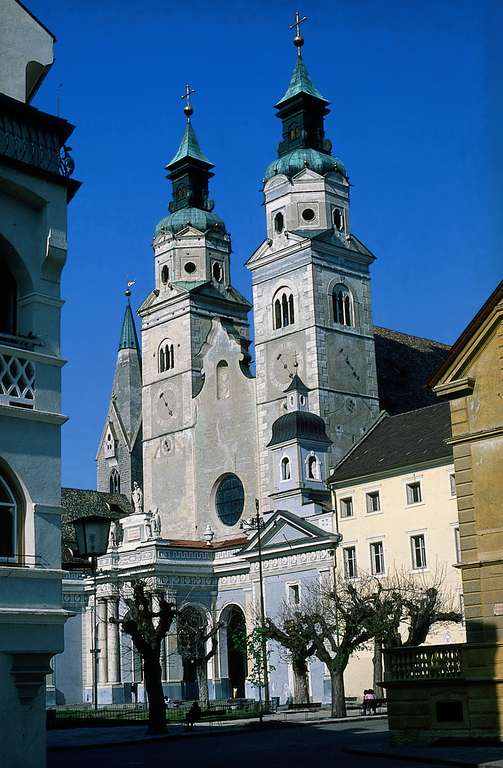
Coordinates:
[404,365]
[399,441]
[76,503]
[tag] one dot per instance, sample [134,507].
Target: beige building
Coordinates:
[395,501]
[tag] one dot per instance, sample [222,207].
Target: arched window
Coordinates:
[223,383]
[166,356]
[8,300]
[10,522]
[279,223]
[338,217]
[283,309]
[285,468]
[115,481]
[313,468]
[342,306]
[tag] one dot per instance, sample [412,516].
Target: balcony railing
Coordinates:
[429,662]
[17,381]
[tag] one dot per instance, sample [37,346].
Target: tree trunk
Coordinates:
[378,668]
[300,681]
[153,685]
[202,682]
[338,698]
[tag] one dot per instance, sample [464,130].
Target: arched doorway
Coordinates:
[236,654]
[8,299]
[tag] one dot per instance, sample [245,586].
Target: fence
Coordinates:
[131,714]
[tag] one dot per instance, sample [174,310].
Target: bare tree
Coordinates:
[406,608]
[291,632]
[193,638]
[339,620]
[147,625]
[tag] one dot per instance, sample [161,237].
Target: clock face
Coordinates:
[286,361]
[167,405]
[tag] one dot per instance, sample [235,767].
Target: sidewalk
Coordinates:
[73,738]
[467,756]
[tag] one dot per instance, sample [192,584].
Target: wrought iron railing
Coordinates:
[17,381]
[429,662]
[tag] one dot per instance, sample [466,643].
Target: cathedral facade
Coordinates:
[198,440]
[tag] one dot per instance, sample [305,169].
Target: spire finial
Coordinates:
[188,108]
[127,292]
[298,40]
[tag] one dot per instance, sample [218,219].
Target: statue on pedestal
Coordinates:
[137,499]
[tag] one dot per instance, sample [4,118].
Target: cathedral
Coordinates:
[209,437]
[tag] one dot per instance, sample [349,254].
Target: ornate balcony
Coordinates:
[433,662]
[17,381]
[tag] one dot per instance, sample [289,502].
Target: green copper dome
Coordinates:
[202,220]
[293,162]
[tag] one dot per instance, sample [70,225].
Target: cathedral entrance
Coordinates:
[236,656]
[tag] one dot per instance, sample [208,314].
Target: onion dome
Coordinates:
[195,217]
[301,426]
[295,161]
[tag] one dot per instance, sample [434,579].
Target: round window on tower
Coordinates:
[308,214]
[164,274]
[229,499]
[190,267]
[217,271]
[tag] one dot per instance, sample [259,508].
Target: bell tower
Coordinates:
[311,282]
[192,288]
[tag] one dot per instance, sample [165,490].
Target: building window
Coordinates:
[373,501]
[218,272]
[308,214]
[338,219]
[8,300]
[230,499]
[283,308]
[347,507]
[164,274]
[418,548]
[115,481]
[452,484]
[313,468]
[342,306]
[350,567]
[279,223]
[190,267]
[377,558]
[413,493]
[109,444]
[9,522]
[457,544]
[166,356]
[285,468]
[294,594]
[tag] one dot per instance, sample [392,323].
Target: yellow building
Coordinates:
[461,693]
[394,497]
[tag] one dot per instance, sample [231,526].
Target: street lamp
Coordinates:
[256,524]
[92,541]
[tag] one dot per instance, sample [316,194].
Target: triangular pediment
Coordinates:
[454,378]
[284,529]
[264,251]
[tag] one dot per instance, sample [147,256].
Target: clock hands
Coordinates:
[161,397]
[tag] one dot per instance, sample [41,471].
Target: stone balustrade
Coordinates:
[427,662]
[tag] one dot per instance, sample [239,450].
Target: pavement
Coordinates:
[102,736]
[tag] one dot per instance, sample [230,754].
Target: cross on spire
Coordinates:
[188,108]
[298,40]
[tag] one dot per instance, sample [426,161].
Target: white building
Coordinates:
[35,189]
[394,497]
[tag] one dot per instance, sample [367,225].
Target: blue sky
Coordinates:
[413,86]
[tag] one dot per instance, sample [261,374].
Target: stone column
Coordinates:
[113,645]
[102,640]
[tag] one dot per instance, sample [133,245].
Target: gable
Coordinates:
[284,529]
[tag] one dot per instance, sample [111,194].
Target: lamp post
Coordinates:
[256,524]
[92,541]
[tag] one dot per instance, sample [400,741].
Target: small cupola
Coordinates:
[297,395]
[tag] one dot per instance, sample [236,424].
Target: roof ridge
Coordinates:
[422,408]
[412,336]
